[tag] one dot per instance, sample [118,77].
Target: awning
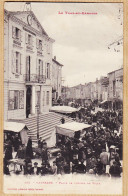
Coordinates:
[69,129]
[104,101]
[14,126]
[63,109]
[114,99]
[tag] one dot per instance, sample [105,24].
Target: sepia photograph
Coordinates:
[63,98]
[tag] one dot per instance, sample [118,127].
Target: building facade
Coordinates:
[27,66]
[105,85]
[108,88]
[115,89]
[56,79]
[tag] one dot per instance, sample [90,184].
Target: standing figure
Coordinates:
[29,151]
[62,120]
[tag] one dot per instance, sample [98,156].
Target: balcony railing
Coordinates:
[17,42]
[29,47]
[39,52]
[35,78]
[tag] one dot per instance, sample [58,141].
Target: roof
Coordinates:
[104,101]
[74,126]
[14,126]
[14,13]
[55,61]
[115,70]
[63,109]
[69,129]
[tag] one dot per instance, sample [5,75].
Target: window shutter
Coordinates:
[49,70]
[37,66]
[13,61]
[42,67]
[13,32]
[37,43]
[21,63]
[27,65]
[21,35]
[42,45]
[33,40]
[26,38]
[46,70]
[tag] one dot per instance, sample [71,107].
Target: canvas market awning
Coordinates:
[14,126]
[69,129]
[63,109]
[17,128]
[104,101]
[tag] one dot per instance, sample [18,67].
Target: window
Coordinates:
[40,44]
[38,98]
[17,62]
[39,68]
[43,98]
[47,98]
[16,100]
[21,99]
[16,97]
[29,39]
[48,48]
[11,100]
[16,33]
[48,71]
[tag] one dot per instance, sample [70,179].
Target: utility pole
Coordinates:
[37,106]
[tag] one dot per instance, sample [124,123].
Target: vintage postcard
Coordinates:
[63,98]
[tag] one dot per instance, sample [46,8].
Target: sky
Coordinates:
[81,41]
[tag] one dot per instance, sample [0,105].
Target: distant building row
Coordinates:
[106,88]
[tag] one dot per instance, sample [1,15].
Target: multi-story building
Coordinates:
[105,85]
[27,66]
[94,95]
[88,91]
[56,79]
[115,89]
[65,94]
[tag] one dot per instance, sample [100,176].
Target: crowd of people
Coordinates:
[98,152]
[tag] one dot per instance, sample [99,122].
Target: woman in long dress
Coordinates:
[29,151]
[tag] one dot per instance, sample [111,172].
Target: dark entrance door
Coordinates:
[28,101]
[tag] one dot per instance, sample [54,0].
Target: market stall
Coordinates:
[63,109]
[12,128]
[71,130]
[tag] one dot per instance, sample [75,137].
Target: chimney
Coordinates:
[55,58]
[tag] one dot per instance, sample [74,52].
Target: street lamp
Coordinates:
[37,106]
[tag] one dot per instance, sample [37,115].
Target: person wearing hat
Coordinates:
[115,170]
[81,168]
[36,169]
[29,170]
[44,155]
[104,158]
[54,168]
[59,163]
[43,169]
